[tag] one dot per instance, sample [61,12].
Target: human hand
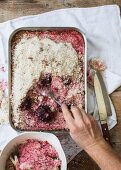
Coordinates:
[84,129]
[86,133]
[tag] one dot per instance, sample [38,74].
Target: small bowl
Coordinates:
[52,139]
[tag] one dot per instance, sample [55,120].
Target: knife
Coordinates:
[103,103]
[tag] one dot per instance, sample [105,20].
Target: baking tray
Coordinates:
[10,68]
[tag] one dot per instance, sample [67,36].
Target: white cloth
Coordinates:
[102,28]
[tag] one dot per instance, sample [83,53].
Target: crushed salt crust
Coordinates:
[4,115]
[35,55]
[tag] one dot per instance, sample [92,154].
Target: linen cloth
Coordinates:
[102,28]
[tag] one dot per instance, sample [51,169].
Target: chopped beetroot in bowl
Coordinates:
[35,155]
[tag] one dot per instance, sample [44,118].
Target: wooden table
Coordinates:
[10,9]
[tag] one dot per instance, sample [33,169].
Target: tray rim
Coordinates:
[10,77]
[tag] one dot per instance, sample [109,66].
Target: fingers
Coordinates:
[81,116]
[79,113]
[67,115]
[89,120]
[76,112]
[85,115]
[83,112]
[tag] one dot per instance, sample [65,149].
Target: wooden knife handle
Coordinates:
[106,134]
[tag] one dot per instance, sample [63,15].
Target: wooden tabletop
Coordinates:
[10,9]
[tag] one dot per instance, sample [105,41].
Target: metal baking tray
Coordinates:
[10,68]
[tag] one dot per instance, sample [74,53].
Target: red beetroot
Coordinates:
[37,155]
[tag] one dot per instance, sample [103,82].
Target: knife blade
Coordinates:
[103,104]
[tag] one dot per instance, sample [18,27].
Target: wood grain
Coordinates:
[10,9]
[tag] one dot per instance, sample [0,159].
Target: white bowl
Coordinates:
[52,139]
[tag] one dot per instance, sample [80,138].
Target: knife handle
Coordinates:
[105,131]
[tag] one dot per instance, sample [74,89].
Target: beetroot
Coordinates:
[46,80]
[44,113]
[26,104]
